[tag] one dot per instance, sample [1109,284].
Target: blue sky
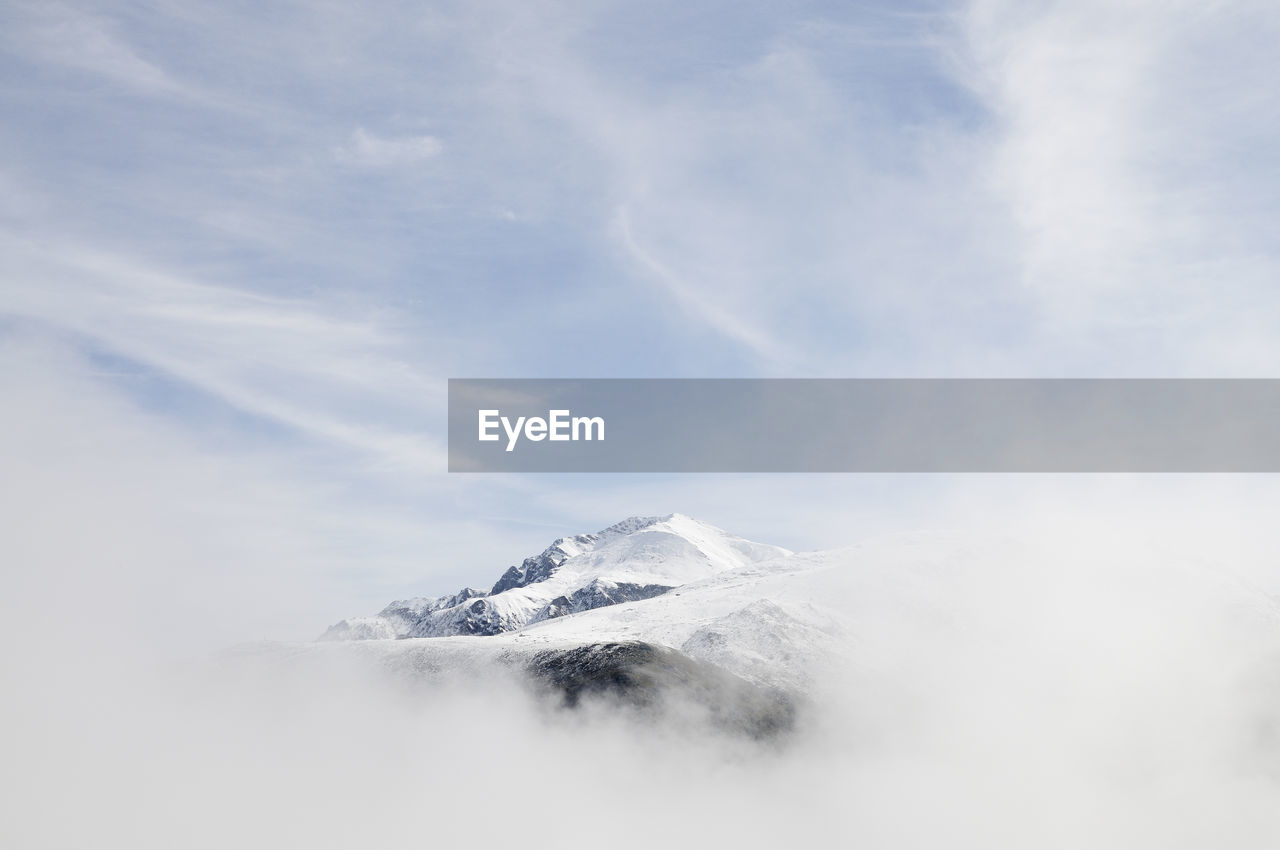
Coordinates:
[252,242]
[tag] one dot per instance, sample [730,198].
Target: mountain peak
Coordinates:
[632,560]
[676,523]
[632,524]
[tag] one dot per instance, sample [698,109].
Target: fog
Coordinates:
[1071,662]
[1031,715]
[1009,710]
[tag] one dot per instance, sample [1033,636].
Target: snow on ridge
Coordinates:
[777,618]
[638,558]
[361,628]
[632,524]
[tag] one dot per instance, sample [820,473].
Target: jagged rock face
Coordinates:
[410,611]
[477,617]
[539,568]
[544,565]
[598,594]
[399,618]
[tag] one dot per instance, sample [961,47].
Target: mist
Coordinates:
[1002,705]
[1093,662]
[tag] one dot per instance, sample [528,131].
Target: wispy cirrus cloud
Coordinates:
[338,379]
[351,204]
[87,40]
[699,303]
[978,187]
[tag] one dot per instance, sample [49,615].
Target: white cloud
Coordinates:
[1078,689]
[1054,188]
[777,208]
[90,42]
[335,378]
[367,150]
[1125,141]
[705,307]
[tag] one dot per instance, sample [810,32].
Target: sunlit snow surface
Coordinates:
[782,619]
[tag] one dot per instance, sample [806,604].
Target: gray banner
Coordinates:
[864,425]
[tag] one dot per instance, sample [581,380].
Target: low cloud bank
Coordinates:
[994,694]
[1092,664]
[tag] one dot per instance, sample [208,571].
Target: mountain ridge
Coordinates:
[636,559]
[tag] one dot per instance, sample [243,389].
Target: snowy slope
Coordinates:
[776,618]
[637,559]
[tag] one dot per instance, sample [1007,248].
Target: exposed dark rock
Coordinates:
[532,570]
[411,610]
[480,617]
[541,567]
[599,594]
[657,679]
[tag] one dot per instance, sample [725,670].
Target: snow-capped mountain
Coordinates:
[637,559]
[649,608]
[750,633]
